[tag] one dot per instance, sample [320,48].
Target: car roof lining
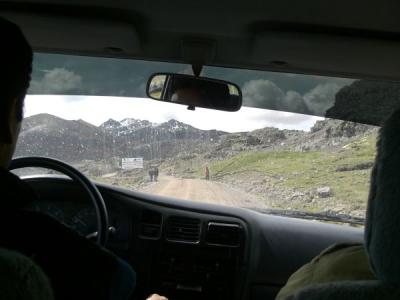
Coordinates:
[285,45]
[339,40]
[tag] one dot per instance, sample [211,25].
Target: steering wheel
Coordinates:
[78,177]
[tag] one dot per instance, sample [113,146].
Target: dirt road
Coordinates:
[202,191]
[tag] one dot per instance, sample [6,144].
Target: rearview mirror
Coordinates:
[194,91]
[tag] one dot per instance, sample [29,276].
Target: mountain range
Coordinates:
[76,140]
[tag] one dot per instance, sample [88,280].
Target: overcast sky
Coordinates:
[267,93]
[96,110]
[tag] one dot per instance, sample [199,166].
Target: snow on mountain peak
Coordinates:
[129,125]
[110,123]
[136,124]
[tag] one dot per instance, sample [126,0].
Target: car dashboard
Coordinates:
[184,249]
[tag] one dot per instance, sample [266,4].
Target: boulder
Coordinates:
[324,192]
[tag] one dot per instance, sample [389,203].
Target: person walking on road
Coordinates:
[155,176]
[151,174]
[207,173]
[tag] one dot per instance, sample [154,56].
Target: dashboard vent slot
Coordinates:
[183,229]
[150,224]
[224,234]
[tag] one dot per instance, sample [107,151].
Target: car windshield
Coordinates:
[278,154]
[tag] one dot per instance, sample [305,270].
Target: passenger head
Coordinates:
[15,73]
[382,229]
[186,91]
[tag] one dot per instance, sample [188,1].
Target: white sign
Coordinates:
[132,163]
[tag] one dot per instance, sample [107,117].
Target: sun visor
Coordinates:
[361,57]
[77,35]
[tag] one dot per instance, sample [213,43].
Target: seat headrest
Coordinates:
[382,231]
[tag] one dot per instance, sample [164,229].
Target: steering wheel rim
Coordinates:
[78,177]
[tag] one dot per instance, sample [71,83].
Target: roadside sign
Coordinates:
[132,163]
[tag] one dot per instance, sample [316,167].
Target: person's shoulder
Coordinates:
[22,278]
[14,192]
[34,218]
[31,225]
[47,232]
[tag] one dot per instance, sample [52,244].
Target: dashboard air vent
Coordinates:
[224,234]
[183,229]
[150,224]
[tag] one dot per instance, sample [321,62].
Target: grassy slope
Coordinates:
[307,171]
[275,177]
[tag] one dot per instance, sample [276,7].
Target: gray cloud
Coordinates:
[293,101]
[322,97]
[272,118]
[57,81]
[266,94]
[262,93]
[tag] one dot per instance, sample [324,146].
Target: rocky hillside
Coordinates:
[327,135]
[325,171]
[47,135]
[75,141]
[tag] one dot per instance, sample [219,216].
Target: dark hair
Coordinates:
[16,57]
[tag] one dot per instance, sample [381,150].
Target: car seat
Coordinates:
[382,230]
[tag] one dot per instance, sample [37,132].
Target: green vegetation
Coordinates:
[345,171]
[332,180]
